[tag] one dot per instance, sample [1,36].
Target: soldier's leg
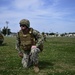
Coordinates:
[34,55]
[25,59]
[34,58]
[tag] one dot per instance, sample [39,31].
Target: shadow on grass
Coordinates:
[3,44]
[46,64]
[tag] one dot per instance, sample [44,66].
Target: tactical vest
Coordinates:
[26,40]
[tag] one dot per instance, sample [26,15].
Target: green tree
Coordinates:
[6,31]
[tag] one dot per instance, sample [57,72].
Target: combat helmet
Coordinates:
[25,22]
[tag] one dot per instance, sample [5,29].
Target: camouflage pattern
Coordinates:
[44,36]
[30,56]
[1,38]
[25,22]
[27,40]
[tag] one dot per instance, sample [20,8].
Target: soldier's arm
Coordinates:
[18,43]
[39,37]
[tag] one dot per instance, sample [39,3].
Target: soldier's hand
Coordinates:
[21,54]
[33,47]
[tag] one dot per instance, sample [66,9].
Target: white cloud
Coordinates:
[26,4]
[45,13]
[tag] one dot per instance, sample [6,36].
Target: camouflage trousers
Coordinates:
[30,57]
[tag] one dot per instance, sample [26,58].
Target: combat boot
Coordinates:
[36,68]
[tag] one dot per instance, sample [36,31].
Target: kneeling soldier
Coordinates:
[29,44]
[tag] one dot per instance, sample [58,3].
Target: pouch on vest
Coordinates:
[27,40]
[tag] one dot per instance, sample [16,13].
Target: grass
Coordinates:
[57,58]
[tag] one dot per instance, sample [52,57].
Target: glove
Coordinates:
[21,54]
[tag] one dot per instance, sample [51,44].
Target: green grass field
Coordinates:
[57,58]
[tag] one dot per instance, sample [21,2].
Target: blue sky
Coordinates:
[44,15]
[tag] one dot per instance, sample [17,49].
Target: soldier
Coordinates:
[44,36]
[29,44]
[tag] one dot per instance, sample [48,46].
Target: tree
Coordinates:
[7,27]
[6,31]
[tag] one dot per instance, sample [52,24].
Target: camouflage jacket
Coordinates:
[37,35]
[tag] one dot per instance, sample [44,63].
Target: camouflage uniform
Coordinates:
[44,36]
[30,57]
